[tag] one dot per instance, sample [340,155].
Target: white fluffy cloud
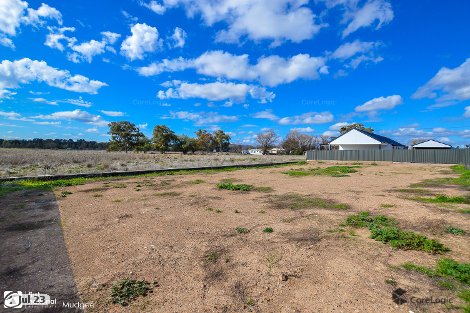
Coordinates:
[112,113]
[338,126]
[275,20]
[14,13]
[24,71]
[202,118]
[307,118]
[75,115]
[350,49]
[144,39]
[303,129]
[178,38]
[467,112]
[266,114]
[56,38]
[270,71]
[380,103]
[217,91]
[83,52]
[448,84]
[154,6]
[373,11]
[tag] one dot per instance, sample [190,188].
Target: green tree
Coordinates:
[345,129]
[163,138]
[221,140]
[204,140]
[185,144]
[125,136]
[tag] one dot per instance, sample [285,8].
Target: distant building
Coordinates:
[356,139]
[431,144]
[277,151]
[255,151]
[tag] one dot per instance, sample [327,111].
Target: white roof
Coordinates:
[355,137]
[432,144]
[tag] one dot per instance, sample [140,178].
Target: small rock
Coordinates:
[284,277]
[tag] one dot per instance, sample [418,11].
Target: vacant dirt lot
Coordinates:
[180,231]
[32,162]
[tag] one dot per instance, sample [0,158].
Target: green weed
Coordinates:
[125,291]
[235,187]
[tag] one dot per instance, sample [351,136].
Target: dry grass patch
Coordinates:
[295,201]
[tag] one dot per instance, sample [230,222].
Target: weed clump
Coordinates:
[127,290]
[235,187]
[386,230]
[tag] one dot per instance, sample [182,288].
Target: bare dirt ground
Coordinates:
[33,162]
[181,233]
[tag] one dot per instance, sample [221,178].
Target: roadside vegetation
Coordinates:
[386,230]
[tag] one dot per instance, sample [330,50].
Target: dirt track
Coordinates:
[164,228]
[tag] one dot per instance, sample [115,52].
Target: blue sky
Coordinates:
[70,67]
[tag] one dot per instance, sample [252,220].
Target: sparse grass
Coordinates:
[445,199]
[64,194]
[386,230]
[242,230]
[416,191]
[168,194]
[454,231]
[212,256]
[118,185]
[268,230]
[463,180]
[250,302]
[235,187]
[38,184]
[387,205]
[197,181]
[333,171]
[391,281]
[294,201]
[125,291]
[218,211]
[263,189]
[237,211]
[464,211]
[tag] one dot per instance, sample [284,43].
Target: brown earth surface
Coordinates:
[181,233]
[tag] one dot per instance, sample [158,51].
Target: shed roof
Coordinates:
[431,143]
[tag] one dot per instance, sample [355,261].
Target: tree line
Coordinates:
[126,136]
[38,143]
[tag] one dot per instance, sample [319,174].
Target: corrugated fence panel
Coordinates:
[448,156]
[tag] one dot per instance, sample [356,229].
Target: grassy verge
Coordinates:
[448,274]
[386,230]
[37,184]
[333,171]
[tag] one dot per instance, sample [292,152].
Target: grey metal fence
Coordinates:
[448,156]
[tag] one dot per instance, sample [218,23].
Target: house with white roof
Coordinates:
[431,144]
[356,139]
